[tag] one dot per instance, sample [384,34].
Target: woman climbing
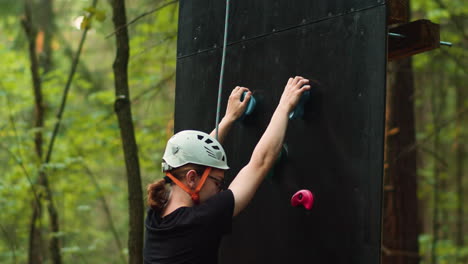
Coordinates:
[185,223]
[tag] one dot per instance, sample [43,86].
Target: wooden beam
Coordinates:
[415,37]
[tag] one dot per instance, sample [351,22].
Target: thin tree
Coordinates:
[107,212]
[35,234]
[53,214]
[460,169]
[122,108]
[46,29]
[436,215]
[54,246]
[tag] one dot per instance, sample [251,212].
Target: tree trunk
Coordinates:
[47,27]
[122,109]
[35,234]
[400,217]
[54,246]
[401,226]
[436,115]
[35,255]
[459,170]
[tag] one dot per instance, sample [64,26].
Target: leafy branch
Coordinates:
[141,16]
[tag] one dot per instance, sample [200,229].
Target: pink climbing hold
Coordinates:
[304,198]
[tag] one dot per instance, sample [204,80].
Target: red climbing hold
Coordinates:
[304,198]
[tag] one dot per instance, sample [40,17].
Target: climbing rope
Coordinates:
[221,75]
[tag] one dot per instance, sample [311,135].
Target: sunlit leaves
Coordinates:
[85,23]
[91,14]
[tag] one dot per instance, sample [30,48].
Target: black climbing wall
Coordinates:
[336,150]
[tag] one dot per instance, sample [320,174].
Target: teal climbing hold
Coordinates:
[250,107]
[282,155]
[298,112]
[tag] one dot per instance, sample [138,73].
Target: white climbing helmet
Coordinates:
[191,146]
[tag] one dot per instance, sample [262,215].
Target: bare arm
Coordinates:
[235,109]
[267,150]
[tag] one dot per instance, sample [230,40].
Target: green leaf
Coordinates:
[83,207]
[90,10]
[100,15]
[86,23]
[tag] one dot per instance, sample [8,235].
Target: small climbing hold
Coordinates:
[282,156]
[250,107]
[299,110]
[304,198]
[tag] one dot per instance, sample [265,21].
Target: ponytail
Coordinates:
[158,195]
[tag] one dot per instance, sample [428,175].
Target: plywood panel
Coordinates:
[336,150]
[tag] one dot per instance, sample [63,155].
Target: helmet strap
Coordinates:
[194,194]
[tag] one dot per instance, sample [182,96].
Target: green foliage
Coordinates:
[447,250]
[441,122]
[92,13]
[88,148]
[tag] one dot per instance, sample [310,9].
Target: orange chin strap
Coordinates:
[193,193]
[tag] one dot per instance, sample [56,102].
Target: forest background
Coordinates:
[85,174]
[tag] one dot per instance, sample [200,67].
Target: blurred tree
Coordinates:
[35,235]
[122,108]
[401,225]
[441,109]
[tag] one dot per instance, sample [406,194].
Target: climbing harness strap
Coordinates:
[194,194]
[221,75]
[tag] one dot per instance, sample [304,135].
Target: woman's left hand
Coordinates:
[235,108]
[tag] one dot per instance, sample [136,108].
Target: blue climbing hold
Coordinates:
[299,110]
[250,107]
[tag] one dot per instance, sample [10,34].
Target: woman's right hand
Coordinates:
[292,92]
[235,107]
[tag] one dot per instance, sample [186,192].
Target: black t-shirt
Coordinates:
[189,234]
